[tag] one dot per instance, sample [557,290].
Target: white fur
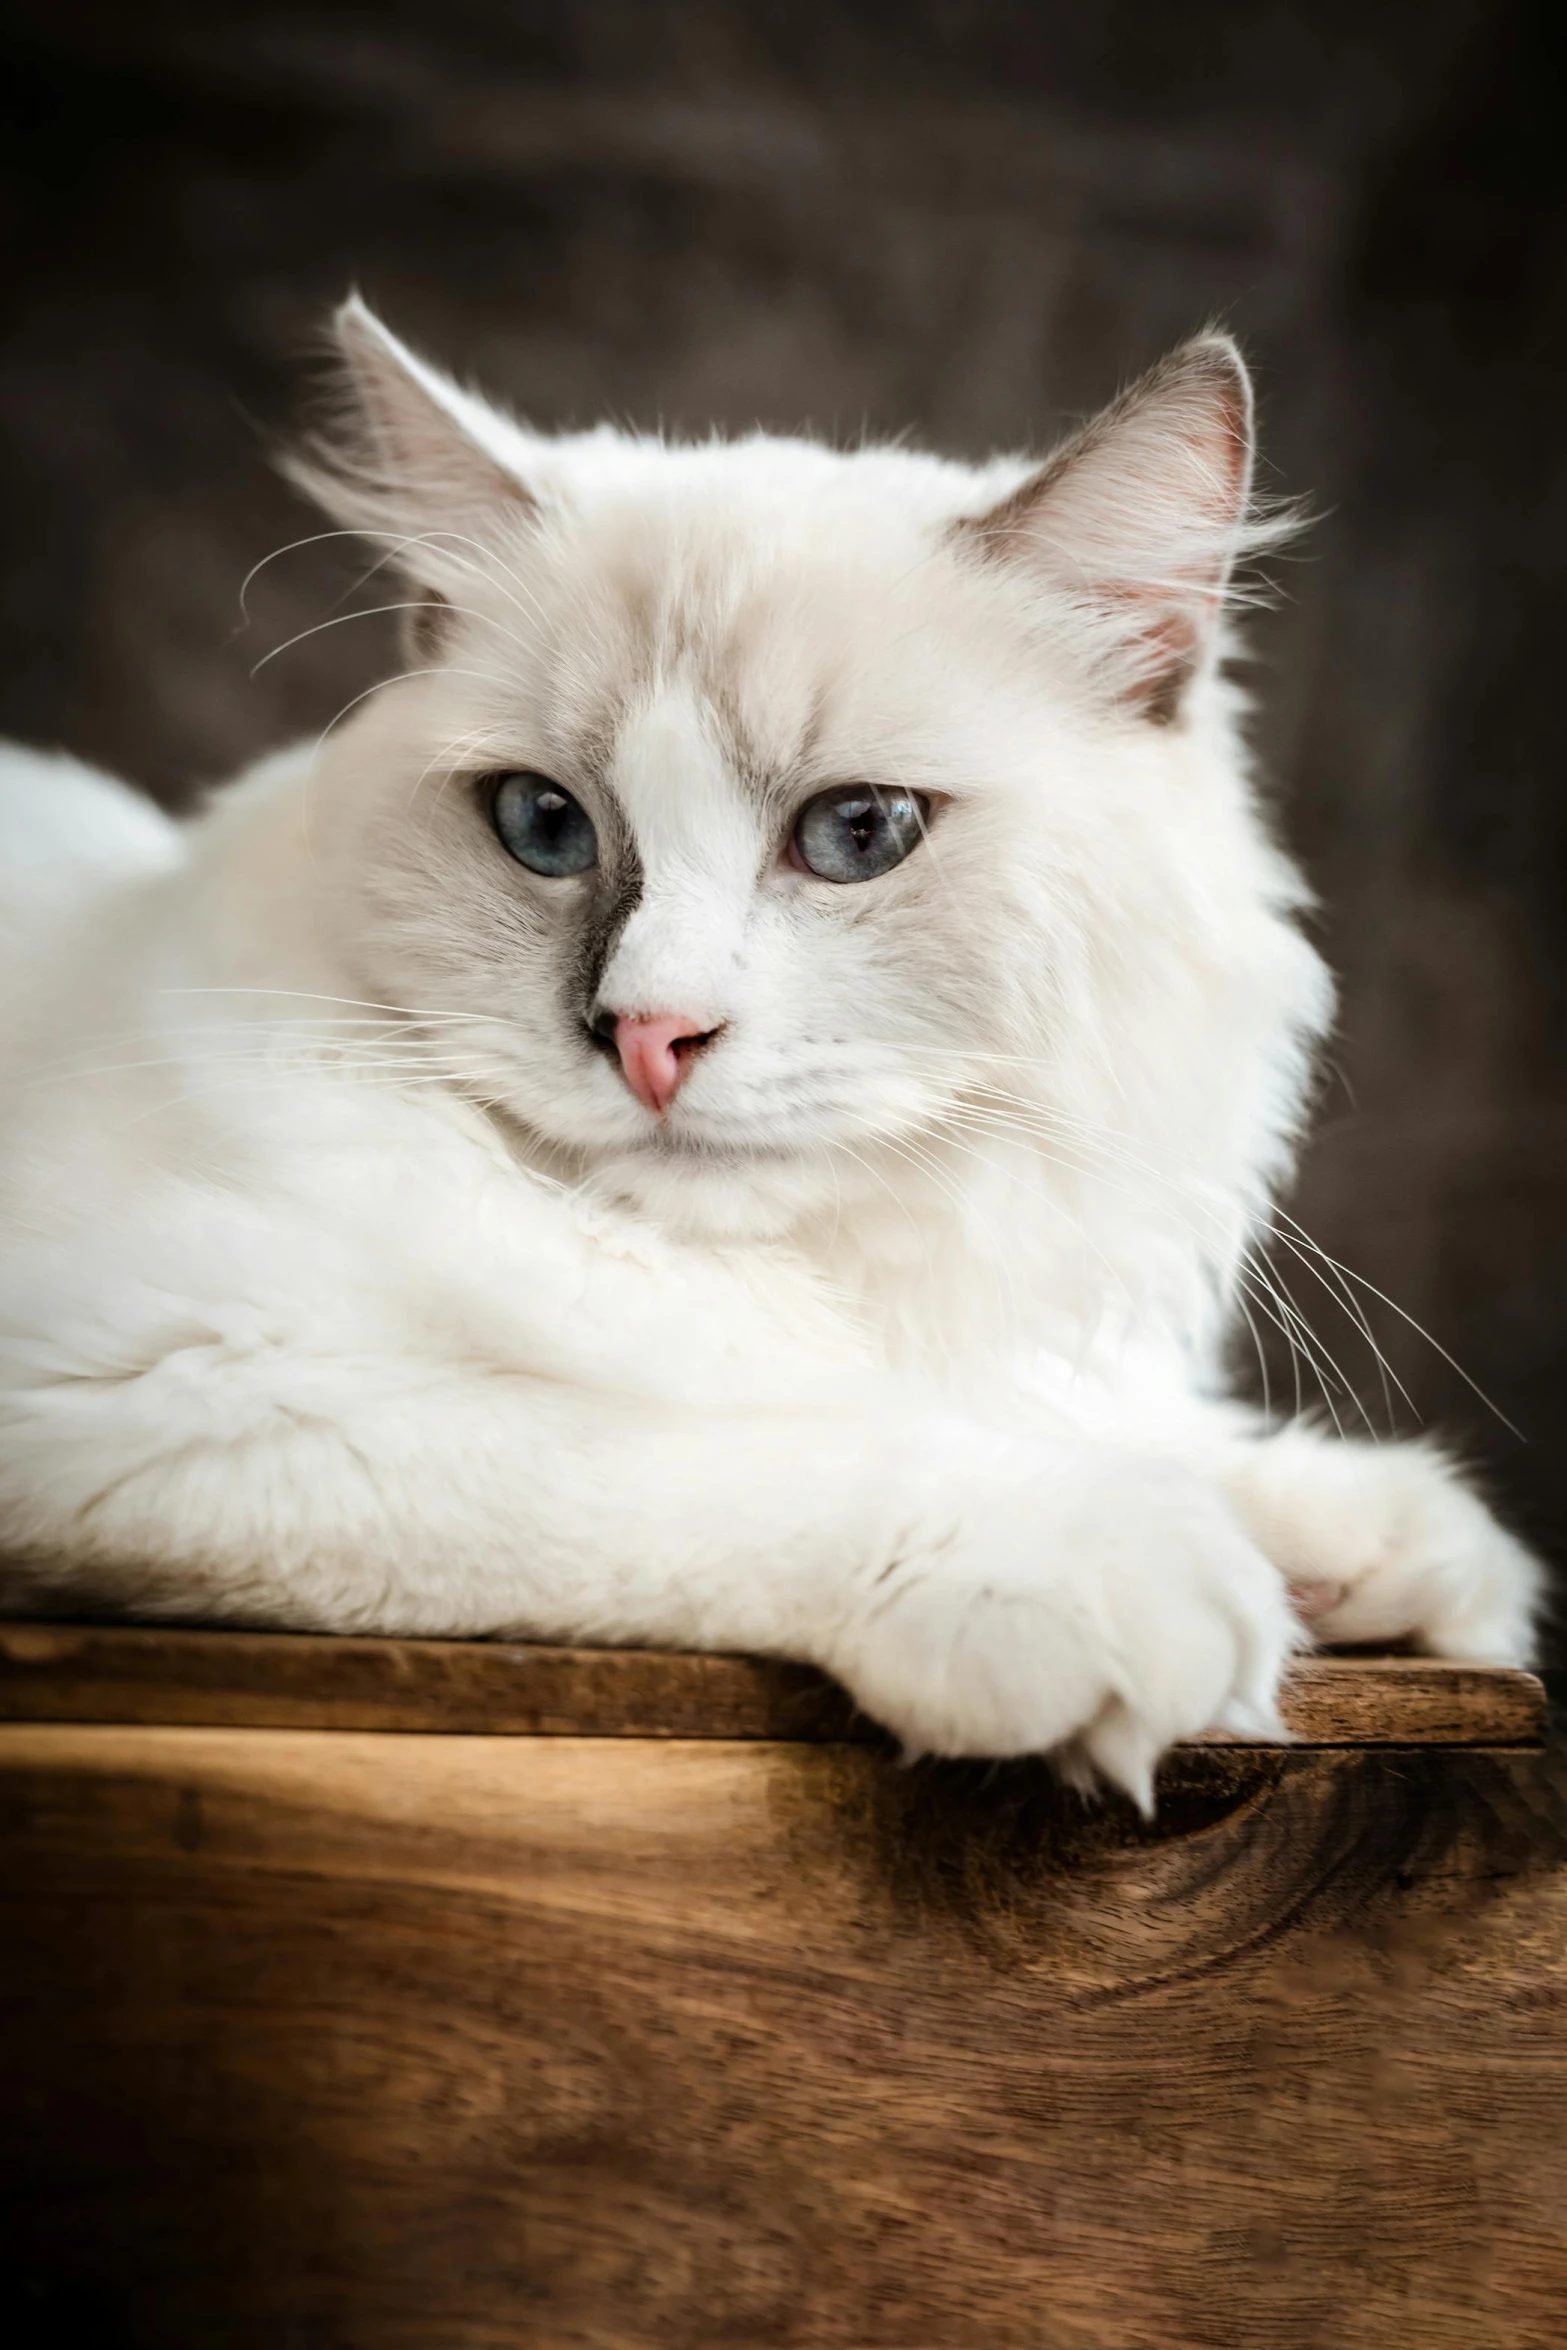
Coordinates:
[343,1282]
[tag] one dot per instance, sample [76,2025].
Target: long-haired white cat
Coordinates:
[727,1106]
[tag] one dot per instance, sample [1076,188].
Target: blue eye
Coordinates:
[541,825]
[855,832]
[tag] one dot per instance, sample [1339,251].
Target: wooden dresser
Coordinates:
[386,1995]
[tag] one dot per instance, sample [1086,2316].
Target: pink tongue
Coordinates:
[647,1054]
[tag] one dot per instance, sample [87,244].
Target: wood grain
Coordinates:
[338,2041]
[92,1673]
[646,1999]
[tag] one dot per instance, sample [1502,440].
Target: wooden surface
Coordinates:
[669,2018]
[71,1672]
[333,2041]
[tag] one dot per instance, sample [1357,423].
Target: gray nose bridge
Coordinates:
[696,843]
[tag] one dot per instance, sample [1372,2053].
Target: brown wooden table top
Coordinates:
[72,1672]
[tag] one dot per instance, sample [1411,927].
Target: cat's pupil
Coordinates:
[541,825]
[854,834]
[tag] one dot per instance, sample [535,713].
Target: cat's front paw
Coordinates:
[1389,1543]
[1100,1615]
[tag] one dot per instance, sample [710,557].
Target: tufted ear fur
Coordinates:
[1140,518]
[414,462]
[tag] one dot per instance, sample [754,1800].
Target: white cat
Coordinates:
[725,1107]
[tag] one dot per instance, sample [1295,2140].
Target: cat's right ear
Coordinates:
[429,472]
[1137,522]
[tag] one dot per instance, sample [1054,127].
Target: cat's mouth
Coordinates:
[666,1143]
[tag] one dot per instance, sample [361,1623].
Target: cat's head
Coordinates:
[758,805]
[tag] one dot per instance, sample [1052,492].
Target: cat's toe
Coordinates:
[1389,1543]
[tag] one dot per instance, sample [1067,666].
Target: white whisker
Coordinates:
[380,612]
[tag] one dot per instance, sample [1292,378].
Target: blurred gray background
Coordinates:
[969,217]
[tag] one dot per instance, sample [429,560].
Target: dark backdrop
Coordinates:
[971,217]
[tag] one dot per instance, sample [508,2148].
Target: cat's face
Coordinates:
[751,800]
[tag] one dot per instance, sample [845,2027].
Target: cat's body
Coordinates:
[691,1244]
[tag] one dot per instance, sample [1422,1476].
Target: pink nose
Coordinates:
[656,1053]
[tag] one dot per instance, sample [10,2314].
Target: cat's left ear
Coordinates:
[1138,520]
[428,471]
